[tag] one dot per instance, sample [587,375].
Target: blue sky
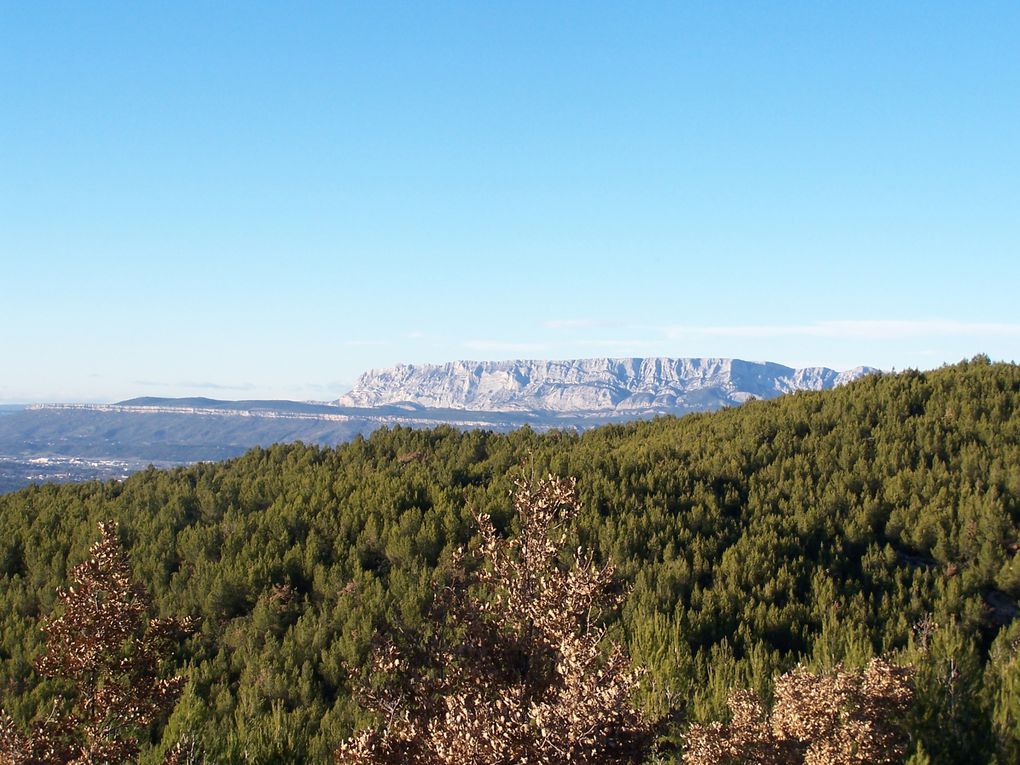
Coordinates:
[265,199]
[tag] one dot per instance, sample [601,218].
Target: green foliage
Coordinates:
[819,527]
[920,756]
[949,703]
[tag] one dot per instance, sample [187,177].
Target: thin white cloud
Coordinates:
[877,329]
[193,384]
[571,323]
[496,345]
[216,386]
[325,387]
[613,343]
[852,328]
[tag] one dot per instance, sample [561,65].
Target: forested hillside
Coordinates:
[878,518]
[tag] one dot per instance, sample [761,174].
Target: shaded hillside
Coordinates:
[182,431]
[157,435]
[879,517]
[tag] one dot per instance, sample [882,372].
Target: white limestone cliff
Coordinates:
[588,385]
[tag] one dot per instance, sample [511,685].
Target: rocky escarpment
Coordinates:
[588,385]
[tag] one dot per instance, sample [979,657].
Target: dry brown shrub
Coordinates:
[514,667]
[838,718]
[110,655]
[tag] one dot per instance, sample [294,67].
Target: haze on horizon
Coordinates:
[264,202]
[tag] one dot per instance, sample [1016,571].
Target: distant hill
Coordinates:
[200,402]
[76,442]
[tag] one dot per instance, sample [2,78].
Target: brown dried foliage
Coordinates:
[837,718]
[515,669]
[110,654]
[184,752]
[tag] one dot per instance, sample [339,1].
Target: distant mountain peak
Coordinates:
[599,385]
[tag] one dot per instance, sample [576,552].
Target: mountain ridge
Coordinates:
[618,385]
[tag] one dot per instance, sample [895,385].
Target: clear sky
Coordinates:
[265,199]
